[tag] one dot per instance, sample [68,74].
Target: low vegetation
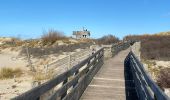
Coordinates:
[156,48]
[6,73]
[40,76]
[164,33]
[108,39]
[52,36]
[39,52]
[164,78]
[10,42]
[154,71]
[153,47]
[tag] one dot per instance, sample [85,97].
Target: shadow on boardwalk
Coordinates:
[113,81]
[129,84]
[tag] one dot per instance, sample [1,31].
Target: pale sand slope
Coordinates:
[162,64]
[10,58]
[10,88]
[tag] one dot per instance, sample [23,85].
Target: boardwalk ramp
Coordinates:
[112,82]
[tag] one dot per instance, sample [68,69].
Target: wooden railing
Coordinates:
[146,88]
[68,61]
[112,50]
[69,85]
[120,46]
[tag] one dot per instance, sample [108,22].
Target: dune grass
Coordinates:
[7,73]
[52,36]
[153,47]
[40,76]
[164,78]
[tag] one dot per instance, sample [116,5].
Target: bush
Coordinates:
[107,40]
[39,52]
[40,76]
[52,36]
[11,42]
[164,78]
[156,48]
[153,47]
[9,73]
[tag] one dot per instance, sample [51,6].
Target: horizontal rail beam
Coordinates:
[92,64]
[145,86]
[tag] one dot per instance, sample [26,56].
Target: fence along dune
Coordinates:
[83,78]
[83,73]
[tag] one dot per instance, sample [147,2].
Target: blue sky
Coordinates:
[29,18]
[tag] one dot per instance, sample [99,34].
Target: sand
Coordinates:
[11,59]
[10,88]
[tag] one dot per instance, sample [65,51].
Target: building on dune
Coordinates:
[85,34]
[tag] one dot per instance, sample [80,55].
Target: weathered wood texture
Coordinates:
[112,50]
[116,48]
[110,83]
[68,61]
[74,81]
[146,88]
[71,84]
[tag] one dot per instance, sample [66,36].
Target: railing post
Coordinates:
[87,66]
[80,81]
[77,80]
[65,93]
[69,62]
[107,51]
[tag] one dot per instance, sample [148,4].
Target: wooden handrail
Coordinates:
[76,78]
[74,81]
[146,88]
[121,46]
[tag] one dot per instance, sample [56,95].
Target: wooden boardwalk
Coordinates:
[112,82]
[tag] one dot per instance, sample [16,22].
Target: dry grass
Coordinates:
[40,76]
[107,40]
[86,40]
[6,73]
[66,40]
[39,52]
[164,78]
[153,47]
[19,43]
[33,43]
[50,37]
[154,71]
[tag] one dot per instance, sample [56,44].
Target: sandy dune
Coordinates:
[10,88]
[11,59]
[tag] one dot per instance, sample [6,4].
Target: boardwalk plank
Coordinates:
[109,82]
